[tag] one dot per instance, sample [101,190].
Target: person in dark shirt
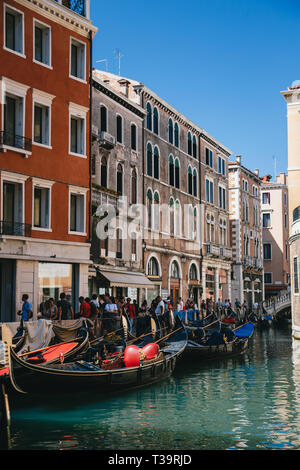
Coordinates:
[65,309]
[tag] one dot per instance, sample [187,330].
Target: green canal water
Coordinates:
[252,402]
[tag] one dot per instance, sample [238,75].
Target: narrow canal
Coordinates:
[252,402]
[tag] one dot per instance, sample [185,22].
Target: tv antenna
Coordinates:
[119,56]
[104,60]
[275,166]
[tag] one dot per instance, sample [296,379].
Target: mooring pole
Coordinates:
[4,417]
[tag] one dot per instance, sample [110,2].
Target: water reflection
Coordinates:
[250,402]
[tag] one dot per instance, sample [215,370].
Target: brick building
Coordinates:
[246,233]
[44,151]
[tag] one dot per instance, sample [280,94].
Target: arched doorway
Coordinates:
[175,281]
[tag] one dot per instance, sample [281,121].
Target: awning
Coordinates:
[118,278]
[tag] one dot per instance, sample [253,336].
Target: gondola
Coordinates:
[54,353]
[113,374]
[215,339]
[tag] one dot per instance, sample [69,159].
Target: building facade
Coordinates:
[44,151]
[292,98]
[246,233]
[275,224]
[177,258]
[216,248]
[117,185]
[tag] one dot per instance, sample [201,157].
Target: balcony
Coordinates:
[16,229]
[106,140]
[78,6]
[11,141]
[225,252]
[211,250]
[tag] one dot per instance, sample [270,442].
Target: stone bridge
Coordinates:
[279,306]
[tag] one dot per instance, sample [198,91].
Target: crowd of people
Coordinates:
[109,310]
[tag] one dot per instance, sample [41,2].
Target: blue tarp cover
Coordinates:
[244,331]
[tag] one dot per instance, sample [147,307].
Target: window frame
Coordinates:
[43,184]
[44,26]
[21,13]
[76,191]
[78,112]
[84,65]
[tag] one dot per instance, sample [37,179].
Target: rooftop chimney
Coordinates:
[238,159]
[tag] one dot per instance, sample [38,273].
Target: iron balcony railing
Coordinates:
[78,6]
[17,141]
[15,228]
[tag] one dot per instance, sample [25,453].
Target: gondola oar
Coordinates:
[145,334]
[172,332]
[108,334]
[203,327]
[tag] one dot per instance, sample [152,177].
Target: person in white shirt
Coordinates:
[179,305]
[160,308]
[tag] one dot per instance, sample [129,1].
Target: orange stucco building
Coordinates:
[44,151]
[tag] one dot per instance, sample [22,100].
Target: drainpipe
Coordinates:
[90,137]
[143,170]
[200,201]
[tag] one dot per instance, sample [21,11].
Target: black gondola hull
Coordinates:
[81,376]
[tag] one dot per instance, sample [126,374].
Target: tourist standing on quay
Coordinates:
[65,310]
[26,312]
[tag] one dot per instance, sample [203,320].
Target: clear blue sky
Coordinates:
[222,63]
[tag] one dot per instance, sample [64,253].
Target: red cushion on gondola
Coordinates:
[229,320]
[132,356]
[53,352]
[4,371]
[151,350]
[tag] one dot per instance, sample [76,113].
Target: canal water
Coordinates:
[251,402]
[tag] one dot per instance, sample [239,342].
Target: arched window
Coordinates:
[172,223]
[189,143]
[177,218]
[195,224]
[170,131]
[156,163]
[149,159]
[195,183]
[171,171]
[104,172]
[153,267]
[149,117]
[194,147]
[193,274]
[156,212]
[134,186]
[177,174]
[176,135]
[190,180]
[119,129]
[103,118]
[175,272]
[120,179]
[149,208]
[133,137]
[155,121]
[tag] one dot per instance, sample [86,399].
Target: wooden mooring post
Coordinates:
[4,417]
